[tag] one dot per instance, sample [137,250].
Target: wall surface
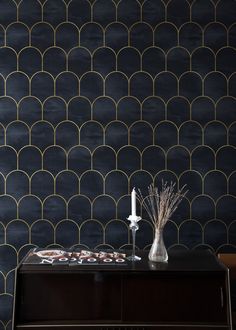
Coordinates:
[99,96]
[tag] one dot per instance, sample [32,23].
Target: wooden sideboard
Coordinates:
[191,291]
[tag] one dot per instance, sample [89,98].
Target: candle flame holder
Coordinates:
[134,227]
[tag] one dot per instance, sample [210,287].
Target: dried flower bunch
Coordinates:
[161,204]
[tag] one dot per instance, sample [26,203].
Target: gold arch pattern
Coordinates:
[83,120]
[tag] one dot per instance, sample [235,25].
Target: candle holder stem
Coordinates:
[134,227]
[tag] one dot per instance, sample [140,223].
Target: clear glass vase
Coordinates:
[158,251]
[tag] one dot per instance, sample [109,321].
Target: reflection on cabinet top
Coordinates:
[179,261]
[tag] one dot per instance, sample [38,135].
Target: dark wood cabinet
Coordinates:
[191,291]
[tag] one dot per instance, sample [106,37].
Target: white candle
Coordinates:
[133,203]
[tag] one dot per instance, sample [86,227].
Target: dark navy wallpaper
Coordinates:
[99,96]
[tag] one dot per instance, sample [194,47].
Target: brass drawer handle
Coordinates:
[222,297]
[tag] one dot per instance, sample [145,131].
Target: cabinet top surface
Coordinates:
[179,261]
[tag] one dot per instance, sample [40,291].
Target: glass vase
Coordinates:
[158,251]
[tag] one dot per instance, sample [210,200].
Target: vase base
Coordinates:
[134,258]
[159,260]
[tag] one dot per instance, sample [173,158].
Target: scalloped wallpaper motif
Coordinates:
[99,96]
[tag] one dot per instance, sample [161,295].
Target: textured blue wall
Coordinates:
[99,96]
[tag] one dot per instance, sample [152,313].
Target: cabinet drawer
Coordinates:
[89,296]
[182,299]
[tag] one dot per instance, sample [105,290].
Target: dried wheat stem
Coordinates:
[161,204]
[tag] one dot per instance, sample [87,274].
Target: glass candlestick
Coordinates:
[133,227]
